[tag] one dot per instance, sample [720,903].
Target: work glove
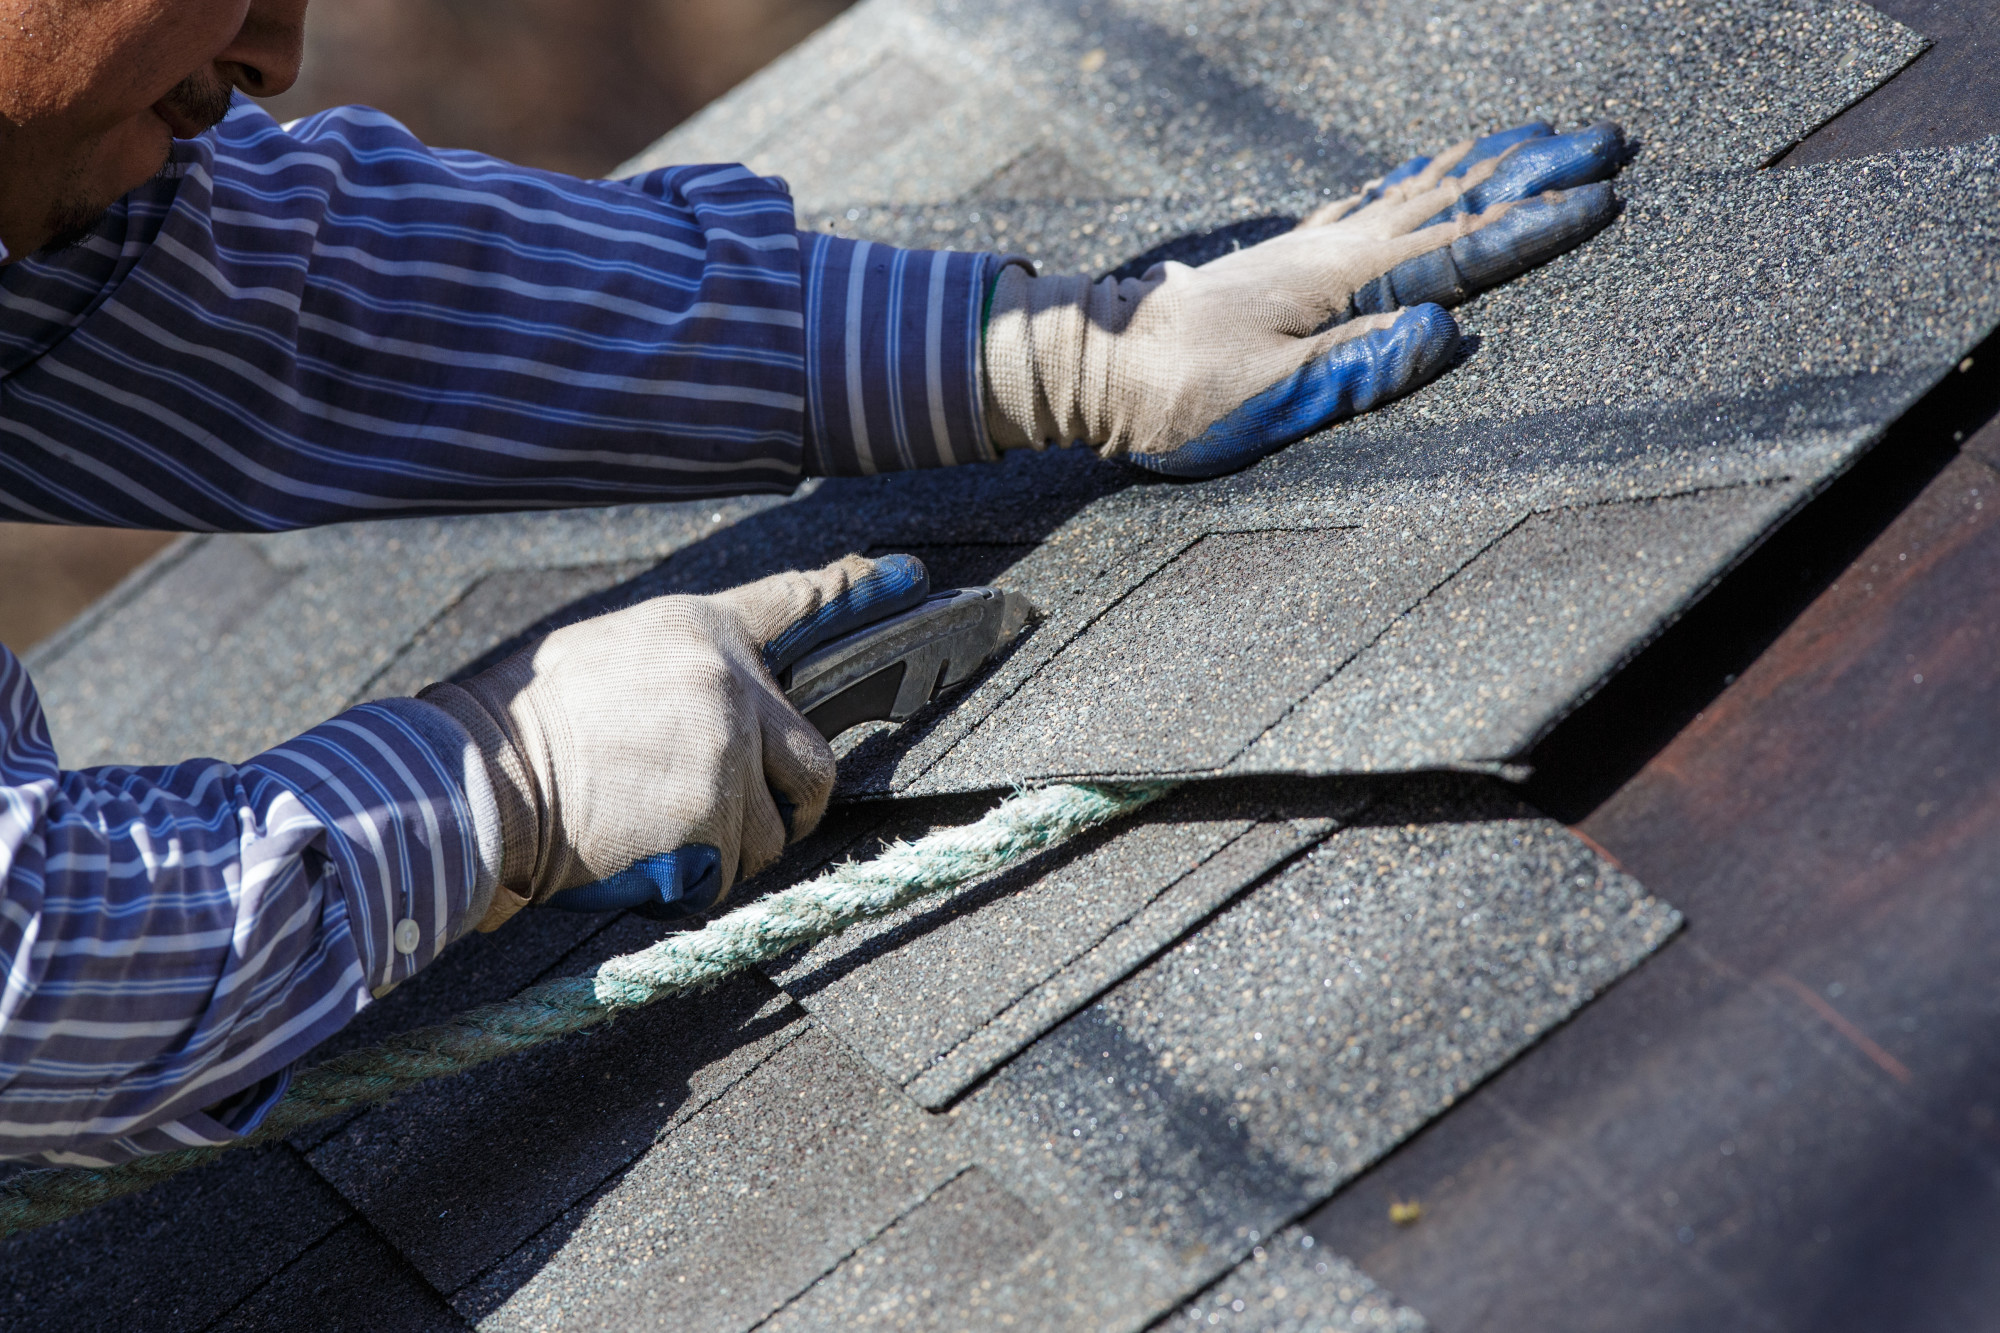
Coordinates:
[647,758]
[1193,372]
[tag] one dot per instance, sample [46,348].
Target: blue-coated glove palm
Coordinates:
[1194,372]
[647,758]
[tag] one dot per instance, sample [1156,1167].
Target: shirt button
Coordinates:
[408,936]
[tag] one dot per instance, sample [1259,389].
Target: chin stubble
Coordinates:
[71,220]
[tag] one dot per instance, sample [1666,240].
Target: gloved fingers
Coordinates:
[1340,208]
[798,767]
[1454,162]
[1418,177]
[1551,162]
[666,887]
[1326,267]
[1352,370]
[1489,248]
[1421,175]
[1401,215]
[788,615]
[1494,145]
[1354,328]
[1368,194]
[763,835]
[785,793]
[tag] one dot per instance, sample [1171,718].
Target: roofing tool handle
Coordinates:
[882,672]
[886,671]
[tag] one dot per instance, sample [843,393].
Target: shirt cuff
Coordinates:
[893,378]
[399,791]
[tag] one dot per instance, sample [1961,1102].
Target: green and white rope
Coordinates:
[1018,828]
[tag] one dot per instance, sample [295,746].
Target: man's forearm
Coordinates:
[174,937]
[333,323]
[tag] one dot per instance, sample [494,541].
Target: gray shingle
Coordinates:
[1485,664]
[491,614]
[1214,1096]
[458,1173]
[1289,1285]
[921,1272]
[936,995]
[744,1206]
[1189,668]
[350,1282]
[171,1259]
[101,686]
[1177,908]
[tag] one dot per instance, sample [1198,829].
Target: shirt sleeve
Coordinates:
[323,322]
[328,321]
[893,374]
[173,939]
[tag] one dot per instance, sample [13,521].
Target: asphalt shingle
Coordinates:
[938,994]
[350,1282]
[1161,1047]
[971,1231]
[174,1258]
[1445,686]
[744,1206]
[460,1172]
[1289,1285]
[1220,1092]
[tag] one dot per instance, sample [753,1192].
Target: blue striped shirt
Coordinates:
[328,321]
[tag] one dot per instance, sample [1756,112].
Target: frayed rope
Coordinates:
[1027,823]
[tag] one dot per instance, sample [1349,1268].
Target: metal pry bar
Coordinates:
[887,671]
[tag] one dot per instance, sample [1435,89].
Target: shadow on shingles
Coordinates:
[976,521]
[524,1114]
[1081,1081]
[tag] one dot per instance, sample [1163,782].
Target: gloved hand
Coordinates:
[648,756]
[1194,372]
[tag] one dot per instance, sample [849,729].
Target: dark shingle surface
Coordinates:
[1787,1116]
[171,1259]
[724,1221]
[350,1282]
[929,1262]
[460,1172]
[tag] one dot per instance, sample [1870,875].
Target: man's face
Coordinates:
[93,92]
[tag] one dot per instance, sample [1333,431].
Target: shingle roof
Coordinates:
[1104,1085]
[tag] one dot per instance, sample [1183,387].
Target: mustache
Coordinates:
[201,100]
